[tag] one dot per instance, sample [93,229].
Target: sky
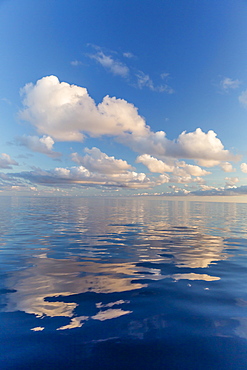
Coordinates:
[113,97]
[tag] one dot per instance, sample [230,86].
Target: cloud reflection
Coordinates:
[193,276]
[107,247]
[76,322]
[53,278]
[110,314]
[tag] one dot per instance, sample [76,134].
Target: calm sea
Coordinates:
[115,283]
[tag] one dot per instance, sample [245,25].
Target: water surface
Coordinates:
[116,283]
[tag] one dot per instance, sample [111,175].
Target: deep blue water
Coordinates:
[135,283]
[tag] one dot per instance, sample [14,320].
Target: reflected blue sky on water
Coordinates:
[132,268]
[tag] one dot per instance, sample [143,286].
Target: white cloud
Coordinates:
[8,183]
[66,113]
[227,167]
[181,179]
[114,66]
[154,164]
[75,63]
[221,191]
[5,100]
[193,170]
[180,169]
[97,161]
[6,161]
[81,176]
[231,181]
[227,83]
[128,55]
[212,191]
[238,190]
[184,178]
[207,187]
[243,167]
[143,80]
[199,180]
[164,75]
[179,191]
[243,98]
[135,78]
[41,145]
[203,147]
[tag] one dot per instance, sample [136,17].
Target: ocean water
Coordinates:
[122,283]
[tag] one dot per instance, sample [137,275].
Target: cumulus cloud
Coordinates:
[95,169]
[240,190]
[177,191]
[97,161]
[80,176]
[186,179]
[203,147]
[231,181]
[243,167]
[207,187]
[98,169]
[210,191]
[228,191]
[227,167]
[193,170]
[154,164]
[178,168]
[6,161]
[227,84]
[67,113]
[41,145]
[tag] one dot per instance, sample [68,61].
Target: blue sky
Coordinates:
[123,97]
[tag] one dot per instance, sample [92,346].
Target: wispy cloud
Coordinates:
[5,100]
[128,55]
[243,98]
[134,77]
[165,75]
[114,66]
[227,84]
[75,63]
[144,80]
